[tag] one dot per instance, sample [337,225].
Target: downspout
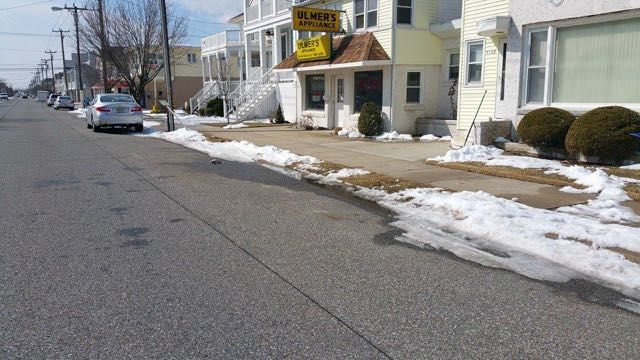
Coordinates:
[393,61]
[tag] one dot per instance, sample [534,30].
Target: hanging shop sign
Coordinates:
[314,48]
[310,19]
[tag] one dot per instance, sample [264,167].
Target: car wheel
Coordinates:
[139,127]
[96,128]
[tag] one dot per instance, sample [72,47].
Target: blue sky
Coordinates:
[22,51]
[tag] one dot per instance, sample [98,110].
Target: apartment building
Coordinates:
[526,54]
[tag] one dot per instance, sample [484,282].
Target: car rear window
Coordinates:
[64,98]
[116,98]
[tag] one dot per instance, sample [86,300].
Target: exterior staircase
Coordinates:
[256,98]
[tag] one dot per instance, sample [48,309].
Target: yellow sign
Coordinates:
[310,19]
[315,48]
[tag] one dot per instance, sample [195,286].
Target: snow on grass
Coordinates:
[241,151]
[631,167]
[610,188]
[394,136]
[350,133]
[538,243]
[431,137]
[477,226]
[235,126]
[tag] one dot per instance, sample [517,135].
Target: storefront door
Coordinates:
[339,112]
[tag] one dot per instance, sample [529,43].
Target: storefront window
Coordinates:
[315,92]
[368,88]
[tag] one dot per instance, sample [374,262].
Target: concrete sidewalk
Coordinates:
[399,159]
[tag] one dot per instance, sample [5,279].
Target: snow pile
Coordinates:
[235,126]
[394,136]
[538,243]
[335,176]
[631,167]
[80,113]
[351,133]
[610,188]
[431,137]
[241,151]
[150,123]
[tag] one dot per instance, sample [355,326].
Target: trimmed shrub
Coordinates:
[215,107]
[279,118]
[202,112]
[604,133]
[545,127]
[370,120]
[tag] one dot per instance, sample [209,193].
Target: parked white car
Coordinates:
[4,96]
[114,110]
[63,102]
[52,98]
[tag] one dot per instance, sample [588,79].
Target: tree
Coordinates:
[133,44]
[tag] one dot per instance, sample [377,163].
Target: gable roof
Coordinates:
[346,49]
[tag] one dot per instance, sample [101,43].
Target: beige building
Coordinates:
[186,73]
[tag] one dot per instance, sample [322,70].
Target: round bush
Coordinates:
[545,127]
[604,132]
[370,120]
[215,107]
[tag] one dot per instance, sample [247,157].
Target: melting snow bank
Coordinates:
[610,188]
[431,137]
[235,126]
[541,244]
[394,136]
[79,112]
[351,133]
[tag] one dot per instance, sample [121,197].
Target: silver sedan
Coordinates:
[114,110]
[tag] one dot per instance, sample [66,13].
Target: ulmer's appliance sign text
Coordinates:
[310,19]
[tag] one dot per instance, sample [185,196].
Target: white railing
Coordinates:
[252,91]
[253,13]
[221,40]
[266,8]
[282,5]
[193,101]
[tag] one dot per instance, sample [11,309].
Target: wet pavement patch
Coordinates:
[133,231]
[54,182]
[103,183]
[119,210]
[175,221]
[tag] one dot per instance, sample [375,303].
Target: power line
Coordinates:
[25,5]
[21,34]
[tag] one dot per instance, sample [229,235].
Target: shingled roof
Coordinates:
[346,49]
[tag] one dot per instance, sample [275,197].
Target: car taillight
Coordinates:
[136,109]
[102,109]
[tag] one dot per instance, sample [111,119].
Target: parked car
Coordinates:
[25,96]
[63,102]
[4,96]
[114,110]
[52,98]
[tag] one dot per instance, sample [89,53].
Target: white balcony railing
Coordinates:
[221,40]
[266,8]
[253,13]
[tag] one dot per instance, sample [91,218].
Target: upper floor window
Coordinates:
[404,13]
[454,66]
[191,58]
[366,13]
[475,52]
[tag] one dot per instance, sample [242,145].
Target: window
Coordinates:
[537,66]
[413,87]
[403,13]
[191,58]
[340,90]
[255,59]
[366,13]
[284,46]
[474,62]
[315,91]
[368,88]
[454,66]
[586,64]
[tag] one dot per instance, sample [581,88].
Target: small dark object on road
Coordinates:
[215,161]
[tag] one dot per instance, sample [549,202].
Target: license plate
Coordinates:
[121,110]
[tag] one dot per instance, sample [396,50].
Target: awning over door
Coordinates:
[347,51]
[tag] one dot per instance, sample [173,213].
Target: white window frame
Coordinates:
[449,65]
[551,54]
[413,12]
[420,87]
[467,63]
[365,14]
[551,34]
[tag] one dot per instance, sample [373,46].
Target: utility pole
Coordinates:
[75,10]
[53,75]
[46,70]
[103,43]
[64,67]
[167,65]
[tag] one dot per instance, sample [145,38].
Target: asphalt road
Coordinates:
[115,246]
